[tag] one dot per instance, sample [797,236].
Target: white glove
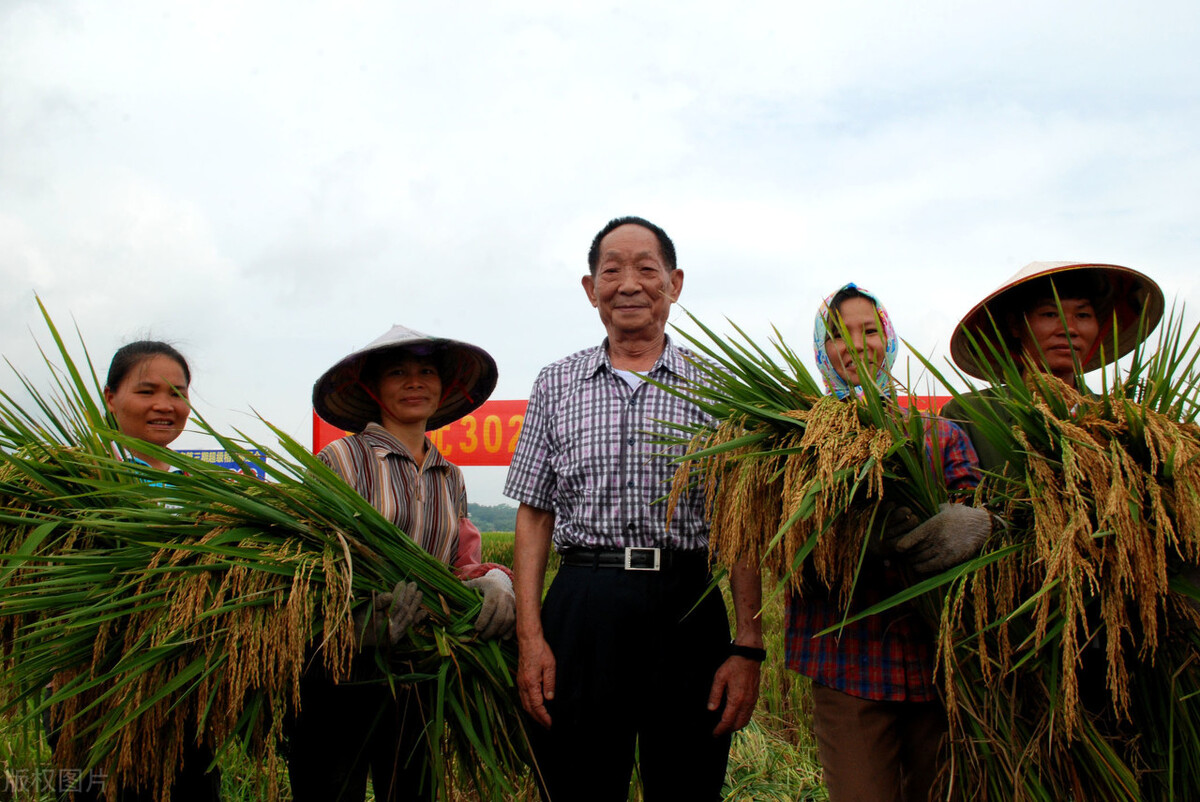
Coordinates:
[389,615]
[498,617]
[953,535]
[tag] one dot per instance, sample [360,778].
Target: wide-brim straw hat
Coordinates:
[1125,298]
[468,375]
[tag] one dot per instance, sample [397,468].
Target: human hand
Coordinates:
[386,617]
[736,681]
[953,535]
[535,678]
[404,609]
[891,521]
[498,617]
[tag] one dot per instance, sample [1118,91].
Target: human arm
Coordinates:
[535,661]
[737,680]
[956,532]
[498,614]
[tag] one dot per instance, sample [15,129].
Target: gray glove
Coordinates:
[498,618]
[389,615]
[405,610]
[953,535]
[890,522]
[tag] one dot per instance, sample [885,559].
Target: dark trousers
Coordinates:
[193,781]
[635,658]
[345,731]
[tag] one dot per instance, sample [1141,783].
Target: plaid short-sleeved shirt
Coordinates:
[588,453]
[889,656]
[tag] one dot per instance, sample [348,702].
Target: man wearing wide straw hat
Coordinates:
[1060,318]
[629,651]
[389,393]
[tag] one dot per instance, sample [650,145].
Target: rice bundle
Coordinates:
[162,607]
[1068,664]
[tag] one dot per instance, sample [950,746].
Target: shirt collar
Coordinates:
[140,461]
[384,441]
[670,360]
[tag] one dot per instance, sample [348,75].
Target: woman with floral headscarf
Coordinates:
[876,712]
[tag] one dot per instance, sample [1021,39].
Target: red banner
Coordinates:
[488,436]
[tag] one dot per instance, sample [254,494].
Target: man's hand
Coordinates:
[535,678]
[498,616]
[736,681]
[952,536]
[535,662]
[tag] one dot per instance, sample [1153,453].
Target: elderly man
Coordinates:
[628,650]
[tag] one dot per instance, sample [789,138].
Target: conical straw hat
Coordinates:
[469,375]
[1123,292]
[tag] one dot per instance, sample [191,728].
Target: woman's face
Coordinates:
[863,334]
[151,401]
[1044,332]
[409,391]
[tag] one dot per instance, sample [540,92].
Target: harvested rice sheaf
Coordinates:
[1068,666]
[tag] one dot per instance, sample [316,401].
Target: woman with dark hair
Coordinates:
[1060,318]
[146,393]
[389,394]
[877,716]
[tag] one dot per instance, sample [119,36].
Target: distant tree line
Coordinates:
[497,518]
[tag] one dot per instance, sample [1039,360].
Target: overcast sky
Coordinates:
[271,185]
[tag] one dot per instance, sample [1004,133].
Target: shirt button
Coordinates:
[632,401]
[631,440]
[629,484]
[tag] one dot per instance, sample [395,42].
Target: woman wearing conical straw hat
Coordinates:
[1060,319]
[876,710]
[390,393]
[1106,310]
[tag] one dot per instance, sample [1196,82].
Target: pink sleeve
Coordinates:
[470,552]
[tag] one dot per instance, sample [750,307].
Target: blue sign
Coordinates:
[219,456]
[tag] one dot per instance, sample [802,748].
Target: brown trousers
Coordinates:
[877,751]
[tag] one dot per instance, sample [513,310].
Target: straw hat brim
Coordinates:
[1132,298]
[340,396]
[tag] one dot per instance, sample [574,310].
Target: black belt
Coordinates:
[635,558]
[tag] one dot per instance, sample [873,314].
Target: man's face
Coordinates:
[632,288]
[1044,331]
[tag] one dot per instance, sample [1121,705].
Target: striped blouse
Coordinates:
[428,503]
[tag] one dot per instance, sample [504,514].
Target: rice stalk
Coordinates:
[162,607]
[1063,647]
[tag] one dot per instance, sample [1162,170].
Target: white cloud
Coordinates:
[273,184]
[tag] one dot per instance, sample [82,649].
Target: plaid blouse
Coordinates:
[588,452]
[428,503]
[888,656]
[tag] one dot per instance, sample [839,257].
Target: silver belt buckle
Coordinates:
[629,551]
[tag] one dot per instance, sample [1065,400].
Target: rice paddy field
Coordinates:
[774,758]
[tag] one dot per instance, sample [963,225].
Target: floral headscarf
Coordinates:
[835,383]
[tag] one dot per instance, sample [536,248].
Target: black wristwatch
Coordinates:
[749,652]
